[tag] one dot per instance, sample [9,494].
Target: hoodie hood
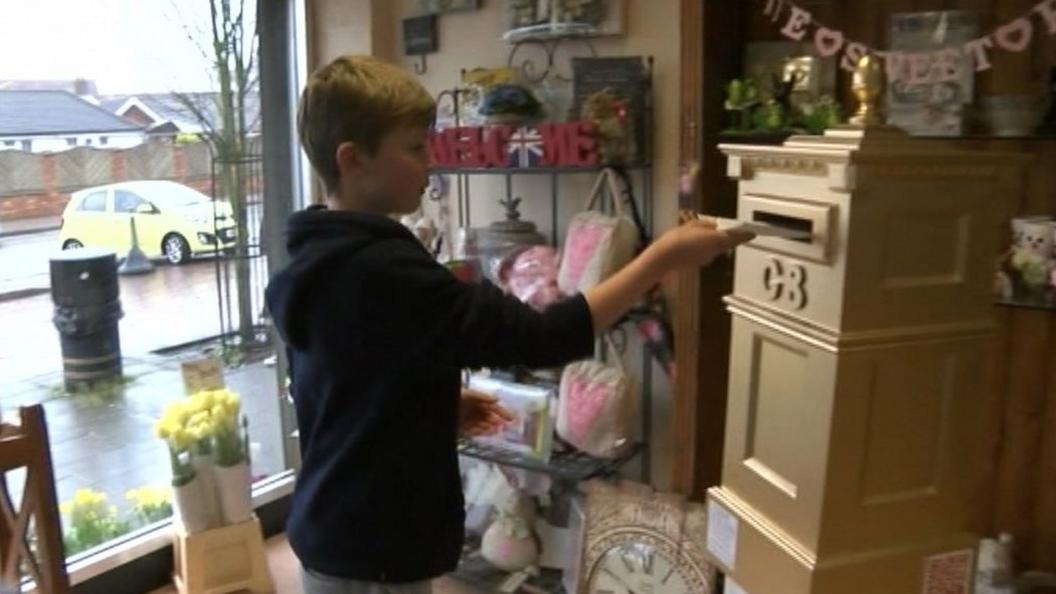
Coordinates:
[317,239]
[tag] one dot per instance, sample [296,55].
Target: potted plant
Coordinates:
[193,499]
[232,470]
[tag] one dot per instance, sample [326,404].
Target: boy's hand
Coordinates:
[696,243]
[480,414]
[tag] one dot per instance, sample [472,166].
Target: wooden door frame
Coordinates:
[712,38]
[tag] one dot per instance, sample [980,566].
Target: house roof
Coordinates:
[77,86]
[44,113]
[166,107]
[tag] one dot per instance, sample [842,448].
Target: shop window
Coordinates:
[107,458]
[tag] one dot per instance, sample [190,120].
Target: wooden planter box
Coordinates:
[221,560]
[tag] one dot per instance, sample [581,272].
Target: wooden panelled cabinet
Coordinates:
[856,359]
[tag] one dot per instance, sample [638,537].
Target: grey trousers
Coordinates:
[316,583]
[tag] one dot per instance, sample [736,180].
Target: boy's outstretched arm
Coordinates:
[691,245]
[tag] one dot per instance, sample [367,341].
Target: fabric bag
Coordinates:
[597,244]
[530,275]
[597,406]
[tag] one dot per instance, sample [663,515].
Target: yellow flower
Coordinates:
[87,505]
[201,417]
[181,412]
[218,412]
[232,403]
[195,433]
[203,400]
[161,429]
[88,497]
[180,438]
[149,496]
[174,416]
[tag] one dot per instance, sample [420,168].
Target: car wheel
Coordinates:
[71,244]
[176,249]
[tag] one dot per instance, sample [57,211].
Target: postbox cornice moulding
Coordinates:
[832,341]
[744,165]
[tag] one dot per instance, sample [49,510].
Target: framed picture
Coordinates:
[419,35]
[535,19]
[596,81]
[815,76]
[935,106]
[439,6]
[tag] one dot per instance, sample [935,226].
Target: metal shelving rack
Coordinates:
[564,465]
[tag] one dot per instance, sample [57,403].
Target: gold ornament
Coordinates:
[868,86]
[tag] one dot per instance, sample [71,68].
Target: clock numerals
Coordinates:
[637,559]
[637,567]
[668,576]
[625,556]
[648,561]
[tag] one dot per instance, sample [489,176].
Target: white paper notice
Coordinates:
[722,535]
[733,587]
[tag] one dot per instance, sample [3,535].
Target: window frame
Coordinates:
[82,206]
[117,196]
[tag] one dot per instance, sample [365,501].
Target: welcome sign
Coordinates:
[570,144]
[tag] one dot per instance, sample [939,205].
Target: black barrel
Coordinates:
[85,291]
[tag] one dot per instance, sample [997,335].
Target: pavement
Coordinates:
[105,441]
[31,225]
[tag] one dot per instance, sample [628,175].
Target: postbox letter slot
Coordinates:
[786,222]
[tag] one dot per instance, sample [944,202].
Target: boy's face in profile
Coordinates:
[394,178]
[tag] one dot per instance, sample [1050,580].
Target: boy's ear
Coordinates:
[351,160]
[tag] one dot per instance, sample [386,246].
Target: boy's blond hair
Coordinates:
[357,99]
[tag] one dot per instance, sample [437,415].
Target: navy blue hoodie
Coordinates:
[377,334]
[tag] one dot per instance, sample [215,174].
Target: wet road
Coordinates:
[169,306]
[24,260]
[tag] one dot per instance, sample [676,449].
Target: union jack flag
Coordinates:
[525,147]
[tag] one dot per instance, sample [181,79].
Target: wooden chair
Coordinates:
[26,446]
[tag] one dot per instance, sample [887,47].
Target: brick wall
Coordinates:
[30,186]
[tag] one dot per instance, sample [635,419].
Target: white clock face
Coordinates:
[636,568]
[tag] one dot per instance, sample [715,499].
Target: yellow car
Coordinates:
[172,220]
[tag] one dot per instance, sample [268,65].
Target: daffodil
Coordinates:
[91,521]
[150,504]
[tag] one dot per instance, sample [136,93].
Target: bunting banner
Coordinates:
[937,66]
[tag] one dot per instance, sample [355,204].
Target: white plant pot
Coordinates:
[191,504]
[204,470]
[232,486]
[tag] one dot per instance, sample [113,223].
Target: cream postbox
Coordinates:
[855,364]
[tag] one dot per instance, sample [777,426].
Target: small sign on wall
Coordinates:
[419,35]
[435,6]
[202,375]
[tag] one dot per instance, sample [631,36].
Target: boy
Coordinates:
[378,333]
